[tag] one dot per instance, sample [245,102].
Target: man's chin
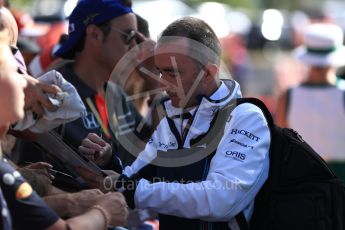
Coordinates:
[175,103]
[3,130]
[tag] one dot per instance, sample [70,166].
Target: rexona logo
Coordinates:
[240,143]
[236,155]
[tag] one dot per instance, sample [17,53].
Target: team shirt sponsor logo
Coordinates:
[90,121]
[236,155]
[245,133]
[166,146]
[241,144]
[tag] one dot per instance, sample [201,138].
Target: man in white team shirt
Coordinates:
[191,188]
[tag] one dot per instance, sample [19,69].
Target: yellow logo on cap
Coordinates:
[24,191]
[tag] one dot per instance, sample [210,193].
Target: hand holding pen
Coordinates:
[41,168]
[45,169]
[94,148]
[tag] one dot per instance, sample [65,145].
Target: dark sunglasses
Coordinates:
[14,50]
[127,36]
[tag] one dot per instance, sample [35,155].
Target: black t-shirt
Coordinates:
[5,218]
[28,210]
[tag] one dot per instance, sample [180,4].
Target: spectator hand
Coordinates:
[38,176]
[94,180]
[116,207]
[147,68]
[41,168]
[83,200]
[145,58]
[36,98]
[96,149]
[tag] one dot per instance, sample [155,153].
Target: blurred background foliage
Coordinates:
[288,5]
[257,36]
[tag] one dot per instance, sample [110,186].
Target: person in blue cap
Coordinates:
[101,32]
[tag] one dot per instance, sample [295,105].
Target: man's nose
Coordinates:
[167,81]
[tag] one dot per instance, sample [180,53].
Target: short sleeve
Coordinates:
[26,207]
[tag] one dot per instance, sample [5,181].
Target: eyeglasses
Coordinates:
[14,50]
[127,36]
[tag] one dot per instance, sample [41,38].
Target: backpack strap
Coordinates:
[241,221]
[240,218]
[217,126]
[261,105]
[288,101]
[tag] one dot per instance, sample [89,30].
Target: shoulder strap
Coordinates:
[217,125]
[241,221]
[259,104]
[288,101]
[240,218]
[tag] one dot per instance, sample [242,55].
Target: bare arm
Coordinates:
[91,220]
[73,204]
[114,214]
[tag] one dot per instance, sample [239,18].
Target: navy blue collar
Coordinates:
[83,89]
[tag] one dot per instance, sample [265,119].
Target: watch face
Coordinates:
[174,68]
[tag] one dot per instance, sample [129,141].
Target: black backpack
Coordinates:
[301,192]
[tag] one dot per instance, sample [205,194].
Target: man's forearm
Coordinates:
[73,204]
[63,204]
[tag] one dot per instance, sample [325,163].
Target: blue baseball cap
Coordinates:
[89,12]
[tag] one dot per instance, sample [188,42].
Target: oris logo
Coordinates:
[236,155]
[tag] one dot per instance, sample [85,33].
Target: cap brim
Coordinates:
[335,58]
[86,13]
[66,50]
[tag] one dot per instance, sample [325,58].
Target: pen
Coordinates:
[55,172]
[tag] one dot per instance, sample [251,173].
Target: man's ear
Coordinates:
[211,71]
[93,32]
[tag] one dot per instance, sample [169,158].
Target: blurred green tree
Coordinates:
[20,3]
[233,3]
[278,4]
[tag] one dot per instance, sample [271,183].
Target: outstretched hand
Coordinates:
[94,148]
[116,207]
